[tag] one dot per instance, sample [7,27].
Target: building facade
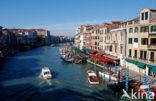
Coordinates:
[141,42]
[132,42]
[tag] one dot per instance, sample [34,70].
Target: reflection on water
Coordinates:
[20,81]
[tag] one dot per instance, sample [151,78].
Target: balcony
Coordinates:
[152,33]
[107,41]
[115,41]
[152,47]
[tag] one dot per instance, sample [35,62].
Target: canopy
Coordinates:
[73,47]
[140,64]
[92,51]
[111,57]
[86,50]
[100,53]
[153,70]
[101,58]
[79,51]
[131,61]
[151,66]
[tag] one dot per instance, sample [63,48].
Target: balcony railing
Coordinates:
[107,41]
[152,33]
[153,47]
[115,41]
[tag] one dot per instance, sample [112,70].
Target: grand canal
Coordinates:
[20,81]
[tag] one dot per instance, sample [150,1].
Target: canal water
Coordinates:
[20,81]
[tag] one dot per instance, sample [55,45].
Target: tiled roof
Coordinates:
[117,21]
[152,9]
[98,27]
[111,25]
[135,19]
[154,20]
[37,29]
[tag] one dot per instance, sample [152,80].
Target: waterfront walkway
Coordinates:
[139,76]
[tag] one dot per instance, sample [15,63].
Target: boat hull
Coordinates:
[93,80]
[116,86]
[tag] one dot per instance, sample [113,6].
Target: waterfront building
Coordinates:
[54,39]
[118,44]
[82,38]
[3,40]
[10,42]
[87,36]
[100,34]
[95,38]
[31,37]
[114,42]
[132,42]
[1,28]
[141,42]
[77,38]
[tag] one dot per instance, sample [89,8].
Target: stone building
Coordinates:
[141,42]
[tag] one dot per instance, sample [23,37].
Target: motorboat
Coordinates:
[68,59]
[53,45]
[114,76]
[45,73]
[92,77]
[1,56]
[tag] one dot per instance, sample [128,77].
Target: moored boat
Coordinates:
[45,73]
[114,77]
[116,86]
[142,89]
[1,56]
[53,45]
[67,59]
[92,77]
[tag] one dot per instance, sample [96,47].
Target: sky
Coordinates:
[62,17]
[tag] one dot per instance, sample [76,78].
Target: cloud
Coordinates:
[67,29]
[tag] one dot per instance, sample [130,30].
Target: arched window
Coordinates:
[136,29]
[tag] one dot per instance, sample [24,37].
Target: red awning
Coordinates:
[100,53]
[101,58]
[92,51]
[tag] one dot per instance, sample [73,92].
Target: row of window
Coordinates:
[99,31]
[144,41]
[94,47]
[144,16]
[96,43]
[130,40]
[95,37]
[143,54]
[143,29]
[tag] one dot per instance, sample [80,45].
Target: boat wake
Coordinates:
[44,81]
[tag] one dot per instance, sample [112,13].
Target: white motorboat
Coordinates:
[45,73]
[92,77]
